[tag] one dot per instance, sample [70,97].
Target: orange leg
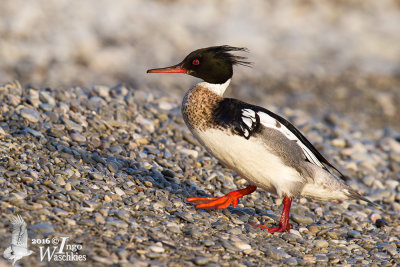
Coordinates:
[284,224]
[221,202]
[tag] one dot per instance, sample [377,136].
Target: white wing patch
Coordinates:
[270,122]
[249,118]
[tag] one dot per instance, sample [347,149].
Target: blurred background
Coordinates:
[323,57]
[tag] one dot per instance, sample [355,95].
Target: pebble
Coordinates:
[72,126]
[30,114]
[78,137]
[157,249]
[321,258]
[381,223]
[42,228]
[45,97]
[309,259]
[201,260]
[276,254]
[290,262]
[119,191]
[96,175]
[189,152]
[302,220]
[112,166]
[340,143]
[353,234]
[321,243]
[242,245]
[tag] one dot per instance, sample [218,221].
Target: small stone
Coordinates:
[112,166]
[98,218]
[309,259]
[321,243]
[208,243]
[333,258]
[381,223]
[290,262]
[381,255]
[164,105]
[30,114]
[193,232]
[242,245]
[375,216]
[103,91]
[146,123]
[303,201]
[60,212]
[396,207]
[174,229]
[157,249]
[68,186]
[96,176]
[42,228]
[353,234]
[276,254]
[201,260]
[34,132]
[321,258]
[296,233]
[117,223]
[27,179]
[95,102]
[313,229]
[119,191]
[72,126]
[302,220]
[103,260]
[107,199]
[189,152]
[148,184]
[45,97]
[289,237]
[60,180]
[340,143]
[78,137]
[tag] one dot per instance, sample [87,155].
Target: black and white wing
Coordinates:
[246,120]
[19,233]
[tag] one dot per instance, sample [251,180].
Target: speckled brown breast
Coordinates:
[197,107]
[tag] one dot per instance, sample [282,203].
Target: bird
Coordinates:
[19,241]
[259,145]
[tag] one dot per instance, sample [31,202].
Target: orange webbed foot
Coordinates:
[221,202]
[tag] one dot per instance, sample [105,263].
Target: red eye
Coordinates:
[196,62]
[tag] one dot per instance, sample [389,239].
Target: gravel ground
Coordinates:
[110,168]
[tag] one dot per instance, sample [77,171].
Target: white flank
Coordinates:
[217,88]
[251,160]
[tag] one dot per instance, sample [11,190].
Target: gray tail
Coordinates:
[354,195]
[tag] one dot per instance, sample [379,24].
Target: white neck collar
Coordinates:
[218,88]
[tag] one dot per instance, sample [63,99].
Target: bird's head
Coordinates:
[212,64]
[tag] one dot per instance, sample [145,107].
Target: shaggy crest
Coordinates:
[223,51]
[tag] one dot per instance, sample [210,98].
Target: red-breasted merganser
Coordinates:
[260,146]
